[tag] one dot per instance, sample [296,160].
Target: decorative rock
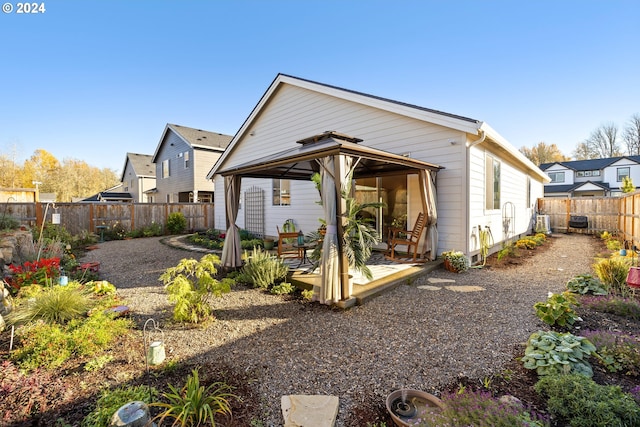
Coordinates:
[309,410]
[510,400]
[132,414]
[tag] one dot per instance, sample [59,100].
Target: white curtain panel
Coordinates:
[232,251]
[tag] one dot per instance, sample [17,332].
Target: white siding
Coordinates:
[293,113]
[514,188]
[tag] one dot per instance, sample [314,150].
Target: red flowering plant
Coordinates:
[42,272]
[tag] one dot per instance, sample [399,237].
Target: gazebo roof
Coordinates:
[300,162]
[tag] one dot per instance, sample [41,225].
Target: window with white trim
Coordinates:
[165,168]
[622,173]
[492,183]
[281,192]
[556,176]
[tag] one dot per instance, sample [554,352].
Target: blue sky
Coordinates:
[93,80]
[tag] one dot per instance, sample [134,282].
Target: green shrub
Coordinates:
[154,229]
[251,243]
[111,400]
[507,251]
[552,353]
[586,284]
[480,409]
[48,346]
[264,269]
[620,306]
[195,404]
[176,222]
[8,222]
[580,402]
[51,232]
[612,272]
[558,309]
[613,244]
[618,352]
[58,304]
[283,288]
[191,284]
[307,294]
[458,260]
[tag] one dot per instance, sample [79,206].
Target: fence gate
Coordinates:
[254,211]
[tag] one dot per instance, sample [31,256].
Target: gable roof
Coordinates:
[195,138]
[453,121]
[590,164]
[142,165]
[567,188]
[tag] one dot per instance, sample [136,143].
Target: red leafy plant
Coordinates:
[42,272]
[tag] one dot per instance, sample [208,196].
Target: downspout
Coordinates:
[469,145]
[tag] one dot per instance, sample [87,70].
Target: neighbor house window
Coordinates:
[165,168]
[556,176]
[186,160]
[622,173]
[281,192]
[492,183]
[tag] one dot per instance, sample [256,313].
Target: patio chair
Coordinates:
[408,238]
[285,246]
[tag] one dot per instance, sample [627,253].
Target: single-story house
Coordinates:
[458,171]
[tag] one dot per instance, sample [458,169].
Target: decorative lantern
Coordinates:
[154,343]
[300,238]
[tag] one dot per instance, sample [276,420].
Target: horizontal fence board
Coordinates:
[86,217]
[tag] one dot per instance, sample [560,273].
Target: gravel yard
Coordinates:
[423,335]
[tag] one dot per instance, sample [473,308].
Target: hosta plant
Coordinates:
[191,284]
[558,309]
[586,284]
[552,353]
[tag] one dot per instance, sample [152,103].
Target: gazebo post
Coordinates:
[343,262]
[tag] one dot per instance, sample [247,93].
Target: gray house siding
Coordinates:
[180,178]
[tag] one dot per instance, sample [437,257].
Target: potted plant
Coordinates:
[455,261]
[268,243]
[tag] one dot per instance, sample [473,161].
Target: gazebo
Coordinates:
[336,157]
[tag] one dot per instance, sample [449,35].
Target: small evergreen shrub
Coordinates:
[554,353]
[264,269]
[586,284]
[176,222]
[190,286]
[111,400]
[580,402]
[526,243]
[8,222]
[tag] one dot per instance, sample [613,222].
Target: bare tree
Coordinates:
[543,153]
[584,151]
[632,135]
[604,141]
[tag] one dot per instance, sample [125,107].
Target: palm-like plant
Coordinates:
[195,404]
[359,235]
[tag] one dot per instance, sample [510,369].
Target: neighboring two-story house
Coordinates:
[138,177]
[182,160]
[590,178]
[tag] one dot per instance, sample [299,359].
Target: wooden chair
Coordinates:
[409,238]
[285,248]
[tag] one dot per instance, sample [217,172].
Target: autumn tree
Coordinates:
[631,135]
[38,168]
[543,153]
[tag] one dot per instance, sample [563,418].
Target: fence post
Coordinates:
[39,215]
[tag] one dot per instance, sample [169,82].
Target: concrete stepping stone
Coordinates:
[464,288]
[429,288]
[301,410]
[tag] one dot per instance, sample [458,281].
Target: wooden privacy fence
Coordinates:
[79,217]
[613,214]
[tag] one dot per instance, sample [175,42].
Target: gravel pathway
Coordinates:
[421,335]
